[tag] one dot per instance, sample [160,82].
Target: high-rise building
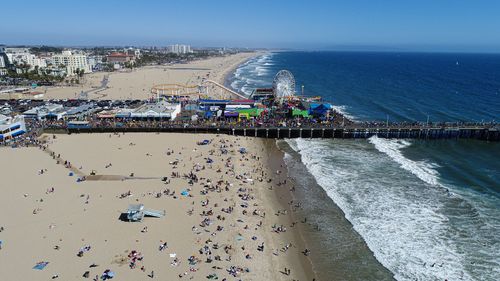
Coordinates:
[72,62]
[27,58]
[179,49]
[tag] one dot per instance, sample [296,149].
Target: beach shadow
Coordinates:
[123,217]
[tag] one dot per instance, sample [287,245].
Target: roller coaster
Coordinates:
[206,88]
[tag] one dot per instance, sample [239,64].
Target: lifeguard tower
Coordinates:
[136,213]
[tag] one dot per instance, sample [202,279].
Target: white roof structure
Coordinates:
[3,119]
[16,123]
[42,111]
[160,109]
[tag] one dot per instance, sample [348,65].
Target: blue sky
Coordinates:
[467,25]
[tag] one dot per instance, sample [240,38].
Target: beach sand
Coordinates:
[137,83]
[80,214]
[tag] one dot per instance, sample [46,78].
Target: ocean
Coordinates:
[402,209]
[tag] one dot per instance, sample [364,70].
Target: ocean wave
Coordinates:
[252,74]
[344,111]
[234,85]
[417,226]
[384,205]
[246,90]
[423,170]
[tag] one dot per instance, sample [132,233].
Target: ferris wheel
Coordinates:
[284,85]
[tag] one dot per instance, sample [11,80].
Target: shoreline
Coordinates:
[327,222]
[280,197]
[275,162]
[229,71]
[226,78]
[305,232]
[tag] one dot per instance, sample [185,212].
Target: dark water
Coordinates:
[429,210]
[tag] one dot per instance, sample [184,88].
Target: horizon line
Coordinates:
[339,48]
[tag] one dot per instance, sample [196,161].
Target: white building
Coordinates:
[27,58]
[11,127]
[179,49]
[10,50]
[94,60]
[134,52]
[159,110]
[2,62]
[72,62]
[41,112]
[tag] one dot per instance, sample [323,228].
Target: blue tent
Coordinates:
[208,114]
[319,109]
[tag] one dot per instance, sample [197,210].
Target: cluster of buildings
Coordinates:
[160,110]
[65,63]
[121,59]
[149,110]
[52,111]
[58,62]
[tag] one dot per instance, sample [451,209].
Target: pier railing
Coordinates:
[488,132]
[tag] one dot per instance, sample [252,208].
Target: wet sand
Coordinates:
[340,253]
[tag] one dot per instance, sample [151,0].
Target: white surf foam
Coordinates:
[423,170]
[398,217]
[247,76]
[344,111]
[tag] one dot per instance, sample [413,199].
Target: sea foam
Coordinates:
[400,223]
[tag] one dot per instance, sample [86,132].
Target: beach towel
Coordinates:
[41,265]
[173,255]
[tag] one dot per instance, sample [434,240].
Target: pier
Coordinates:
[274,113]
[486,132]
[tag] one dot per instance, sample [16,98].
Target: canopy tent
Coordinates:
[192,107]
[300,113]
[208,114]
[242,115]
[319,108]
[231,113]
[251,112]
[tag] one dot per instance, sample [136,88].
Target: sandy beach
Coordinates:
[227,213]
[137,83]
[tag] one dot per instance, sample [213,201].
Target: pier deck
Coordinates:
[488,133]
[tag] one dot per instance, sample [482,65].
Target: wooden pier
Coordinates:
[487,133]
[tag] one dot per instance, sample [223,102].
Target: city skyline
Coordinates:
[468,26]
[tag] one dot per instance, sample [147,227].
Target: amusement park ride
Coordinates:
[284,85]
[194,91]
[283,88]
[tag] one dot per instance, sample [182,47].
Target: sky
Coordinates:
[426,25]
